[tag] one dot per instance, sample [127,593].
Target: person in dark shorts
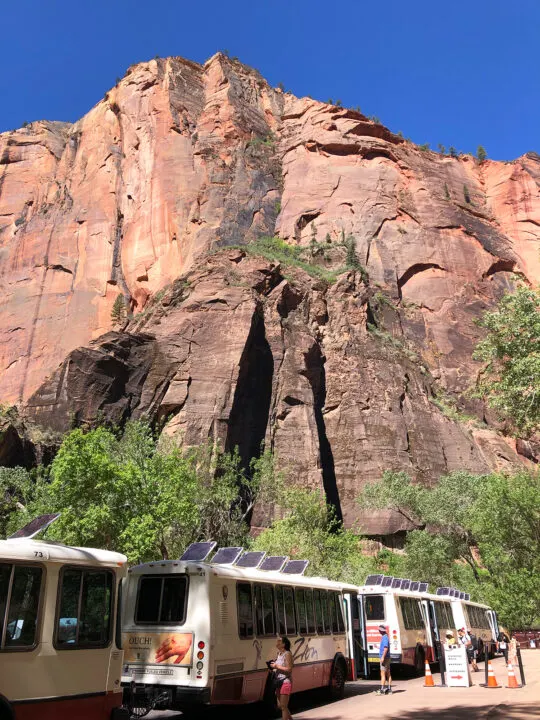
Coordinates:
[384,656]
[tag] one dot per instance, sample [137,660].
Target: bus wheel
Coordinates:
[5,711]
[337,680]
[419,661]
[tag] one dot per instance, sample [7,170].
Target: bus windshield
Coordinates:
[374,607]
[161,600]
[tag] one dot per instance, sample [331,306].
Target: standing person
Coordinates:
[450,639]
[465,640]
[502,645]
[282,667]
[384,656]
[512,652]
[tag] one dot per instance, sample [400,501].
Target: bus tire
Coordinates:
[6,713]
[338,676]
[419,660]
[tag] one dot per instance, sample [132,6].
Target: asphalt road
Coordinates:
[412,700]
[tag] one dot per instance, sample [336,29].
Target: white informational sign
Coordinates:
[457,667]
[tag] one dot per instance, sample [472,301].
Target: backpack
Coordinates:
[474,641]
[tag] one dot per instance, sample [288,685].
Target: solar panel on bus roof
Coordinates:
[462,596]
[442,591]
[199,551]
[387,581]
[415,585]
[295,567]
[374,579]
[227,555]
[34,527]
[251,559]
[454,593]
[423,587]
[396,583]
[274,563]
[405,584]
[467,597]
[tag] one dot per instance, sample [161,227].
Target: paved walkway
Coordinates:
[412,700]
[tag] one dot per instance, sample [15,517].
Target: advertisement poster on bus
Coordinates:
[158,648]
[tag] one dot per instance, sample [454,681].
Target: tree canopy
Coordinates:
[511,349]
[480,533]
[136,495]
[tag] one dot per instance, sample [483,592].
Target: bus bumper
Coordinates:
[185,696]
[166,697]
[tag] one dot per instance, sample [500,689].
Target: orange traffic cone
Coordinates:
[428,682]
[512,682]
[492,680]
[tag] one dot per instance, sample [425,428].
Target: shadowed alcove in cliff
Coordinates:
[251,404]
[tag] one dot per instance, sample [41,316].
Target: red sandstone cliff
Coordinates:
[179,159]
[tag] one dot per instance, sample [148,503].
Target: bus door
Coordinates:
[363,636]
[357,634]
[493,623]
[434,631]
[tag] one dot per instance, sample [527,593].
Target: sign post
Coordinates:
[457,666]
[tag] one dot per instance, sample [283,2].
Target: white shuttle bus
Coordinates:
[417,621]
[60,635]
[201,633]
[474,617]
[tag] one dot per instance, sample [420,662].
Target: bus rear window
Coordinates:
[374,607]
[162,600]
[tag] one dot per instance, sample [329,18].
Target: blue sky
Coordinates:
[460,73]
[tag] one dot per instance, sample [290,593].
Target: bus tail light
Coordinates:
[201,645]
[200,655]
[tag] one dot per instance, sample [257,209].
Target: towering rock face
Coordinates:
[180,159]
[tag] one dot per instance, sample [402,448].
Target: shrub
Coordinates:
[441,149]
[446,192]
[424,147]
[453,152]
[466,194]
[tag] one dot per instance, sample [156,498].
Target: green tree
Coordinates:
[481,533]
[442,149]
[510,381]
[146,498]
[309,530]
[481,153]
[453,152]
[118,311]
[15,492]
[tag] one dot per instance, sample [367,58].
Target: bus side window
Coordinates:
[339,610]
[259,623]
[301,611]
[310,611]
[245,610]
[318,611]
[23,604]
[84,616]
[331,624]
[280,611]
[267,595]
[448,615]
[290,620]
